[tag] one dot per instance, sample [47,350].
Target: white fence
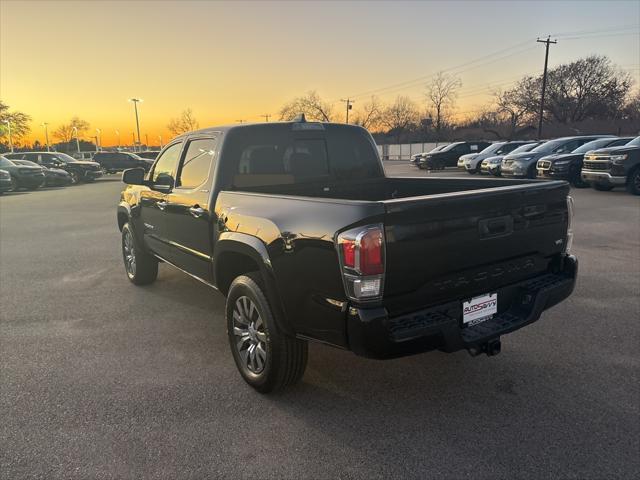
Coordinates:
[404,151]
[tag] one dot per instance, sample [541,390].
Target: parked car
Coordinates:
[492,165]
[5,182]
[568,166]
[611,167]
[149,154]
[112,162]
[448,156]
[53,177]
[298,226]
[415,158]
[471,162]
[523,165]
[22,176]
[79,170]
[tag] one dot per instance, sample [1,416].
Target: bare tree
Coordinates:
[441,96]
[313,107]
[400,115]
[186,122]
[65,132]
[590,87]
[19,123]
[369,115]
[518,104]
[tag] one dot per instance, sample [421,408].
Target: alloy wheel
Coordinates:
[129,253]
[250,335]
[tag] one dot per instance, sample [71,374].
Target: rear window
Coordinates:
[278,154]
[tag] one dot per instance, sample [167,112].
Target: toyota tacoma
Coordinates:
[298,226]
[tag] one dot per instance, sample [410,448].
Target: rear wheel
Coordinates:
[75,178]
[633,184]
[266,358]
[141,267]
[601,187]
[14,184]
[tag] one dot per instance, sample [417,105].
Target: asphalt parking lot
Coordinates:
[101,379]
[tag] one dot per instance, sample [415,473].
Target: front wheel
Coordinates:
[633,184]
[267,359]
[577,182]
[141,267]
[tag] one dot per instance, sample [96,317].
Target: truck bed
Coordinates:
[386,188]
[445,238]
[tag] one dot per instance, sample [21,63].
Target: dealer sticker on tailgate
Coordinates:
[479,309]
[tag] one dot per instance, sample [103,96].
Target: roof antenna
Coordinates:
[300,118]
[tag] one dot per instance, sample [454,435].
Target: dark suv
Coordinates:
[448,156]
[80,170]
[607,168]
[112,162]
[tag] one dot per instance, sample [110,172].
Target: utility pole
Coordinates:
[135,107]
[160,138]
[548,41]
[349,103]
[8,122]
[266,117]
[98,139]
[46,134]
[146,140]
[118,134]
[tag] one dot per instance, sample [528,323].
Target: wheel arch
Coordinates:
[237,254]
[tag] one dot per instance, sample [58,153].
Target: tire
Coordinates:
[633,183]
[75,179]
[141,268]
[576,180]
[267,359]
[601,187]
[14,185]
[532,172]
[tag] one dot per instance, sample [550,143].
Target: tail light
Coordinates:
[361,252]
[569,242]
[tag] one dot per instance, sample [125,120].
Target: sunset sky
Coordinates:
[235,60]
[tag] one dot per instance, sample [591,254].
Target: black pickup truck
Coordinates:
[607,168]
[298,226]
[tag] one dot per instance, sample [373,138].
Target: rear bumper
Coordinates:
[373,334]
[603,177]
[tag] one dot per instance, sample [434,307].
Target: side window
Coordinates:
[195,167]
[569,146]
[165,167]
[474,148]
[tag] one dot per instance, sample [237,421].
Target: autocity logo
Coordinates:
[480,306]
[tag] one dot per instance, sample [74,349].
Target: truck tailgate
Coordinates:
[458,245]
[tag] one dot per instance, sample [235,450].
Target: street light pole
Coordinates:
[146,140]
[135,107]
[160,138]
[75,130]
[8,122]
[118,134]
[98,132]
[46,134]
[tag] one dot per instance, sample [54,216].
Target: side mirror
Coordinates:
[133,176]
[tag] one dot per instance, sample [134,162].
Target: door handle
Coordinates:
[197,211]
[162,204]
